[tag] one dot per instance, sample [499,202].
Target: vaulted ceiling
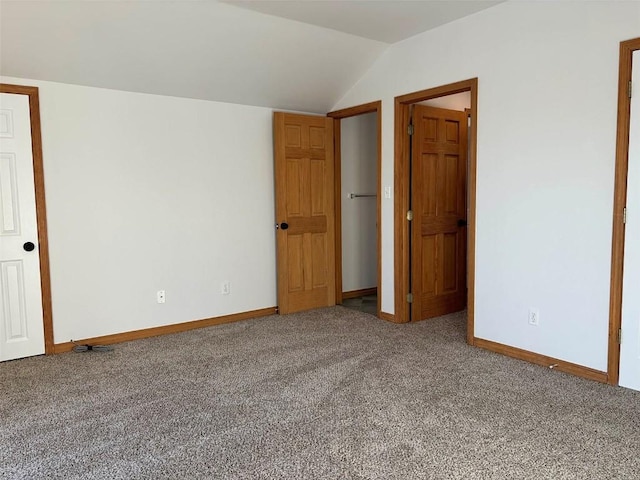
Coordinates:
[388,21]
[212,50]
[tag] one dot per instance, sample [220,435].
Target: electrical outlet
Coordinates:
[160,296]
[226,287]
[534,317]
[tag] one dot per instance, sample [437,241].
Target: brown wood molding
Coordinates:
[370,107]
[543,360]
[41,208]
[471,220]
[441,91]
[165,330]
[401,186]
[619,201]
[337,172]
[379,210]
[337,115]
[389,317]
[359,293]
[18,89]
[401,206]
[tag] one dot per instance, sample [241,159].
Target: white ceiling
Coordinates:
[388,21]
[207,49]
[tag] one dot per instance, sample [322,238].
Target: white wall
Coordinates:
[146,193]
[546,145]
[359,158]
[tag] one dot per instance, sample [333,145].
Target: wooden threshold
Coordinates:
[165,330]
[389,317]
[538,359]
[360,293]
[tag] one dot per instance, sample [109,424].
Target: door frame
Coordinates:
[41,210]
[619,202]
[402,181]
[337,115]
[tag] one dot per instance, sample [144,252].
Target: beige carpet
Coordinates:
[332,393]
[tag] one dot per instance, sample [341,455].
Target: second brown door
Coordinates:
[438,203]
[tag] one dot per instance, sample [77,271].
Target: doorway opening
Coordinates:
[625,266]
[435,252]
[357,170]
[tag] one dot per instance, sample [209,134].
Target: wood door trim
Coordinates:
[41,209]
[619,201]
[538,359]
[401,204]
[370,107]
[401,186]
[441,91]
[337,115]
[337,175]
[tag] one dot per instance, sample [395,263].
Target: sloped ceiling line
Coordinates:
[205,50]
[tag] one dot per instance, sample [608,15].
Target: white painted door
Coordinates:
[630,347]
[21,326]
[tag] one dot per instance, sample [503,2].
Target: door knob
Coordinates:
[284,225]
[28,246]
[462,223]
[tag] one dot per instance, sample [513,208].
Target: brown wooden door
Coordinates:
[304,181]
[438,202]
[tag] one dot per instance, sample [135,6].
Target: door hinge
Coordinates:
[629,89]
[624,215]
[619,336]
[410,215]
[410,298]
[410,129]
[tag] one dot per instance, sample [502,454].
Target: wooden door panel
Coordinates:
[295,262]
[295,180]
[429,173]
[315,224]
[452,132]
[317,138]
[429,246]
[293,136]
[430,133]
[303,147]
[449,266]
[439,159]
[434,225]
[451,199]
[319,254]
[318,187]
